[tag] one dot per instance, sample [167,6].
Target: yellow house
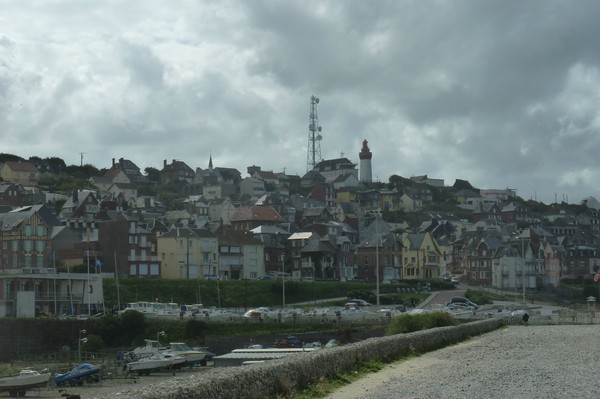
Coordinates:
[422,257]
[345,194]
[22,172]
[186,253]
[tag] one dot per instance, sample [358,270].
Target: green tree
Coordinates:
[152,174]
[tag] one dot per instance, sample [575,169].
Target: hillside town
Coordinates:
[332,223]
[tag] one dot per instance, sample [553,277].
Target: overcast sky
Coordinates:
[500,93]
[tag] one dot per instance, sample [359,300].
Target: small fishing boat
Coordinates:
[27,379]
[192,357]
[156,362]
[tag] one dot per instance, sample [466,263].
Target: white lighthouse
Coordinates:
[365,163]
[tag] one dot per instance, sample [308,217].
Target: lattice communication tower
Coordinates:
[313,154]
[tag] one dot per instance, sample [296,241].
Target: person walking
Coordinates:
[525,319]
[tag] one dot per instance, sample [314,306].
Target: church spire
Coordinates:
[210,165]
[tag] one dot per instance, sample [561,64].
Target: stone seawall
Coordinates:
[287,374]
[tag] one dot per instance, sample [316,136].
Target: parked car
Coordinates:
[359,302]
[462,300]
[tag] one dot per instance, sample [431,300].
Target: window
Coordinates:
[40,231]
[132,270]
[40,246]
[27,230]
[143,269]
[28,245]
[154,270]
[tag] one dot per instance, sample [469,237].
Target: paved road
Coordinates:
[517,362]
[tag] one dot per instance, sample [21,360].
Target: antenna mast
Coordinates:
[313,155]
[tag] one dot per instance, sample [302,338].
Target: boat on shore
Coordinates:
[78,374]
[27,379]
[156,362]
[192,357]
[151,347]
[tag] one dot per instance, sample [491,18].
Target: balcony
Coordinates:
[47,297]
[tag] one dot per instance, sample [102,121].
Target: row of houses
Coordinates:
[333,233]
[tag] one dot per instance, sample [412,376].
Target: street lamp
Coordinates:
[522,238]
[80,340]
[377,257]
[523,254]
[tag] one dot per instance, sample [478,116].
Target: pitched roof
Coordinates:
[112,173]
[12,219]
[266,175]
[24,166]
[334,164]
[262,213]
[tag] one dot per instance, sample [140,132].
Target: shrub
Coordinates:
[417,322]
[479,297]
[93,343]
[133,324]
[194,328]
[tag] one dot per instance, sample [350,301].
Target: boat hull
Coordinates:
[23,382]
[82,372]
[155,363]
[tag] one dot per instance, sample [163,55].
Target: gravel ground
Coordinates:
[515,362]
[117,387]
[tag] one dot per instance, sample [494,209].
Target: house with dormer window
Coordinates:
[130,169]
[241,255]
[514,212]
[379,257]
[268,177]
[422,257]
[176,171]
[331,169]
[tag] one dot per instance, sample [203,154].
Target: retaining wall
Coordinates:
[281,376]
